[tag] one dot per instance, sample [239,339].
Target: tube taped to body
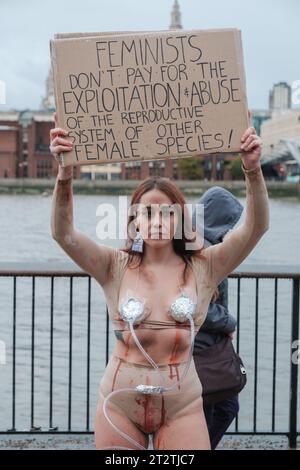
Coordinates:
[132,317]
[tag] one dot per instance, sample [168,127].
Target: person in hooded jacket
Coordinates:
[221,212]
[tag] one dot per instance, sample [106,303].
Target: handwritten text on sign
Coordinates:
[134,98]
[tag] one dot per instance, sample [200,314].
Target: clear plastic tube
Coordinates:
[153,363]
[155,366]
[163,389]
[123,434]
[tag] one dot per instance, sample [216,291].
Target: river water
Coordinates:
[26,237]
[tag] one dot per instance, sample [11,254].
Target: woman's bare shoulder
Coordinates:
[118,260]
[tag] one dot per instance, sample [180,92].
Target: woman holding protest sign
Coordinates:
[158,289]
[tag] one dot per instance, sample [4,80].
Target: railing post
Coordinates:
[13,427]
[107,337]
[294,366]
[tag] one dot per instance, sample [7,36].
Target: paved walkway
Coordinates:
[81,442]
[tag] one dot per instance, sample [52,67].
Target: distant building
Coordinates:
[280,96]
[48,103]
[282,125]
[108,172]
[258,116]
[137,170]
[24,145]
[176,16]
[10,133]
[166,168]
[281,142]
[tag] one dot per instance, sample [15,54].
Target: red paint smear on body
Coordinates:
[115,375]
[176,344]
[163,411]
[160,443]
[175,374]
[148,412]
[173,357]
[148,421]
[127,346]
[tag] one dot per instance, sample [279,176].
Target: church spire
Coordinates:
[176,16]
[48,102]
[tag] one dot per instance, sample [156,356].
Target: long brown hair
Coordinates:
[179,244]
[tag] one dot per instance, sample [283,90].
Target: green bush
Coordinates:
[235,168]
[190,168]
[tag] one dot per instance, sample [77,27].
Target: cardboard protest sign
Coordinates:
[149,96]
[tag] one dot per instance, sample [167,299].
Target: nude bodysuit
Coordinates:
[151,412]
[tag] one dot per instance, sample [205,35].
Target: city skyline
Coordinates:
[26,59]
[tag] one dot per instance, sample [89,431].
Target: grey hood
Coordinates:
[221,212]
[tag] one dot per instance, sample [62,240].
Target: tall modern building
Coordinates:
[176,16]
[280,96]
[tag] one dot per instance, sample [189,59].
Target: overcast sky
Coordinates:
[270,32]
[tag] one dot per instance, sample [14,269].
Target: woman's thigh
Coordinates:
[107,437]
[184,432]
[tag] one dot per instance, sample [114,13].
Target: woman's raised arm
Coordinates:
[238,243]
[95,259]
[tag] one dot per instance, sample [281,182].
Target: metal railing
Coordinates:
[12,385]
